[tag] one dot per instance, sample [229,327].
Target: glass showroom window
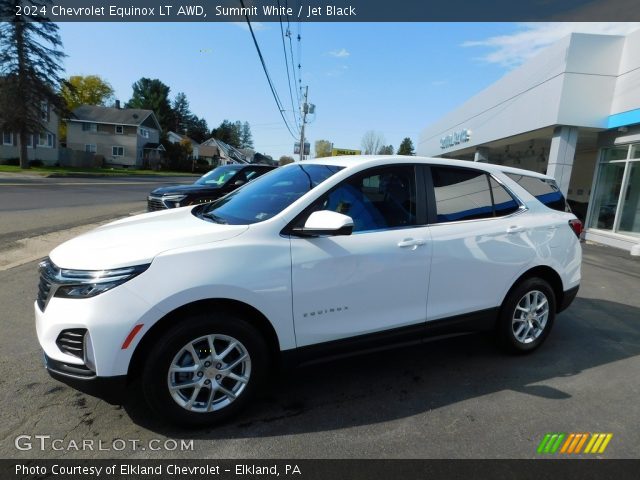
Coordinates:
[616,202]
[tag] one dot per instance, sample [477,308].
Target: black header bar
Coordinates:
[321,10]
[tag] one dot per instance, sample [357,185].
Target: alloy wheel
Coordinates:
[209,373]
[530,316]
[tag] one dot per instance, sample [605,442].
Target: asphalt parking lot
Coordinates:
[456,398]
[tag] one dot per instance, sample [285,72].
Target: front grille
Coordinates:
[71,341]
[155,203]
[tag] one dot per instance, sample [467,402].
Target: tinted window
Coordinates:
[503,202]
[382,198]
[267,196]
[544,190]
[461,194]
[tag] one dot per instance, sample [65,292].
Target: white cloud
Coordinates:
[342,53]
[513,49]
[337,72]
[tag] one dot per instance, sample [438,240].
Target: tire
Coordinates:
[209,390]
[526,316]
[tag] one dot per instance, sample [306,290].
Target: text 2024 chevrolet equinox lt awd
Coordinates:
[196,305]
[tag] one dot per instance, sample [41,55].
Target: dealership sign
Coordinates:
[455,138]
[344,151]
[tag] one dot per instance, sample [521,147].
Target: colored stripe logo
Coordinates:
[573,443]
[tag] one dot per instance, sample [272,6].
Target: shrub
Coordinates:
[36,163]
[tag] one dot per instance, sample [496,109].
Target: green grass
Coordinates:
[44,171]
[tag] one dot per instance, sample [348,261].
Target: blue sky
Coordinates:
[391,78]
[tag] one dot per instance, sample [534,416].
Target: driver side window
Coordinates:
[381,198]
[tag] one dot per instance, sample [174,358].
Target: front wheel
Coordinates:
[204,370]
[527,315]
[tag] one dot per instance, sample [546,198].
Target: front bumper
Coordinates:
[82,378]
[108,320]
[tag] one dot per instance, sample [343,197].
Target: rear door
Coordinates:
[480,241]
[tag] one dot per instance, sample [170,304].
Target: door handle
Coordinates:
[411,242]
[515,229]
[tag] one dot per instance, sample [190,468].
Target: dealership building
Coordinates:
[573,112]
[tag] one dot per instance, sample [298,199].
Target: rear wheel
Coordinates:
[527,315]
[204,370]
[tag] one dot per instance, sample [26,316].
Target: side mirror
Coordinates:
[237,183]
[325,222]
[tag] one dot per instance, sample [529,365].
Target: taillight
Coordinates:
[576,226]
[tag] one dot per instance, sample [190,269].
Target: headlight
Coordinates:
[174,199]
[66,283]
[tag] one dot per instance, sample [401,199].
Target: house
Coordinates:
[216,152]
[128,137]
[40,146]
[174,137]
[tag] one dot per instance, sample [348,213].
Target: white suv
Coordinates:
[198,304]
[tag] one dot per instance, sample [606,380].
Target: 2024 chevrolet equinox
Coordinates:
[196,305]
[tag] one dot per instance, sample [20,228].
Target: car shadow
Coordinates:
[399,383]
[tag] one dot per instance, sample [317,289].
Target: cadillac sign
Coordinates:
[455,138]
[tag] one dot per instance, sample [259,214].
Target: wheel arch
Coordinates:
[256,318]
[546,273]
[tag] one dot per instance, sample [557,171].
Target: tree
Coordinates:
[371,142]
[228,133]
[182,116]
[198,129]
[406,147]
[152,94]
[30,61]
[386,150]
[323,148]
[86,90]
[285,160]
[246,139]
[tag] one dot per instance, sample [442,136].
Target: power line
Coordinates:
[293,67]
[299,56]
[286,62]
[266,72]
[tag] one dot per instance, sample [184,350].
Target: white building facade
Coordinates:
[573,112]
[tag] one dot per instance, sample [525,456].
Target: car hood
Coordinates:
[138,239]
[184,189]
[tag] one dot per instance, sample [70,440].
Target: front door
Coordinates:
[374,279]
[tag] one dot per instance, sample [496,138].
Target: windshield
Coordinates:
[219,175]
[266,196]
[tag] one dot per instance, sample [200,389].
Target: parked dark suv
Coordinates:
[215,184]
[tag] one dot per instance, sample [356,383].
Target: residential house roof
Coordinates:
[113,116]
[225,150]
[183,137]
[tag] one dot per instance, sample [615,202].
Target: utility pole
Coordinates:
[305,110]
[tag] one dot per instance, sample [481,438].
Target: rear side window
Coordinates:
[503,202]
[466,194]
[461,194]
[546,191]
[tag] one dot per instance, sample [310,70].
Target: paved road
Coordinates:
[456,398]
[36,205]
